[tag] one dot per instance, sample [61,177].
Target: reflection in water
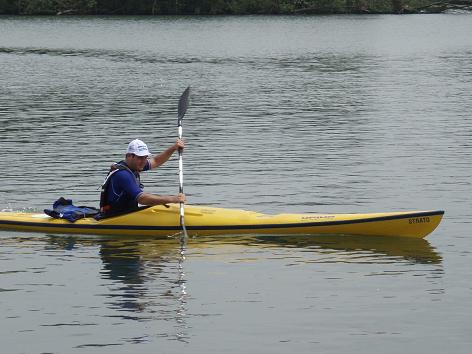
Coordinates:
[345,248]
[148,274]
[182,309]
[139,265]
[126,260]
[144,285]
[123,264]
[410,249]
[142,268]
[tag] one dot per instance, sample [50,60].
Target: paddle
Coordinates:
[183,104]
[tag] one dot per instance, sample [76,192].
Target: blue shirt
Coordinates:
[124,188]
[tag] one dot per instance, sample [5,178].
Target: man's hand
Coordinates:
[179,144]
[181,198]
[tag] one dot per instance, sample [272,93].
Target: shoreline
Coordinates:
[231,7]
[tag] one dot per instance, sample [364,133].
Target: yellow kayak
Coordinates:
[205,221]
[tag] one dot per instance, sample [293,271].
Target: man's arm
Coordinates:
[158,160]
[152,199]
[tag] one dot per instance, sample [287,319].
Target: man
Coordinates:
[122,190]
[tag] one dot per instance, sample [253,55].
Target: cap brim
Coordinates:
[142,153]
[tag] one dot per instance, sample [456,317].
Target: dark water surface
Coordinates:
[288,114]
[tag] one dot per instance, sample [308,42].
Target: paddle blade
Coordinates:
[183,104]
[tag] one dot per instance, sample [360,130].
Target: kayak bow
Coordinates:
[203,220]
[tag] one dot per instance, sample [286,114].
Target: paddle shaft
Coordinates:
[181,180]
[182,108]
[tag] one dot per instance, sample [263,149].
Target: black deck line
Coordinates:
[222,227]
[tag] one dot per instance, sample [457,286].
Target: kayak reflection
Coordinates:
[409,249]
[128,259]
[146,276]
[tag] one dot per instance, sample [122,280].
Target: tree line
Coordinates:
[208,7]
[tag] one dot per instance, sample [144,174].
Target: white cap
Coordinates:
[138,147]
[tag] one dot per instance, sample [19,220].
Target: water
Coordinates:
[288,114]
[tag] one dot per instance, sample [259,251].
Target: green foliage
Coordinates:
[8,6]
[215,7]
[253,7]
[40,7]
[326,6]
[287,7]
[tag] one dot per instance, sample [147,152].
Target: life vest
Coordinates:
[109,209]
[64,209]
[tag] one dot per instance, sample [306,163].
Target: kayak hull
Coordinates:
[207,221]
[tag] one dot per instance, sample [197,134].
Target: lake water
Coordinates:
[287,114]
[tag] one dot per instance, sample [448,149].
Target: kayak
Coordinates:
[207,221]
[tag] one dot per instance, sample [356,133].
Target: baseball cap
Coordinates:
[138,147]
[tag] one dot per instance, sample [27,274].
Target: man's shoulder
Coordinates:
[122,174]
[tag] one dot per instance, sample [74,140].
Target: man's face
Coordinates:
[137,162]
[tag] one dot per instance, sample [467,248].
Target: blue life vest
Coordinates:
[64,209]
[109,209]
